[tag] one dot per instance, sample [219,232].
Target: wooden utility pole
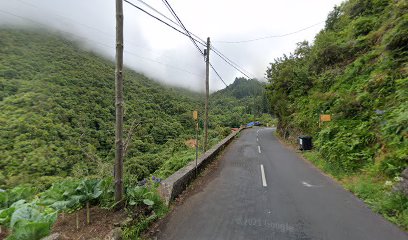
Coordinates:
[195,117]
[119,102]
[207,89]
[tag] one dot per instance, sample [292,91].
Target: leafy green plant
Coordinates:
[18,193]
[89,190]
[28,220]
[145,200]
[60,191]
[136,196]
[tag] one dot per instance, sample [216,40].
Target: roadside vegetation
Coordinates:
[57,135]
[357,71]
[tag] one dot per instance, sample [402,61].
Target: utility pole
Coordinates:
[119,102]
[195,117]
[207,89]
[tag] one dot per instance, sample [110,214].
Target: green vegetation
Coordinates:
[32,216]
[152,208]
[57,132]
[242,102]
[357,71]
[57,113]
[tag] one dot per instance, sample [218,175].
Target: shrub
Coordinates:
[397,39]
[362,26]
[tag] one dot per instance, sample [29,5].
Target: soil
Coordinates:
[102,222]
[190,143]
[4,233]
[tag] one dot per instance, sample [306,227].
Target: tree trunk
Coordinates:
[88,217]
[77,220]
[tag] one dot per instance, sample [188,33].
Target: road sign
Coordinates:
[195,115]
[325,117]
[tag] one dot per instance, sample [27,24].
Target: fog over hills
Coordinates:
[164,54]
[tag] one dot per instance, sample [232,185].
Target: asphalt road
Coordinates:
[263,190]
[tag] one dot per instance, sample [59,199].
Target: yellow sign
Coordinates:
[325,117]
[195,115]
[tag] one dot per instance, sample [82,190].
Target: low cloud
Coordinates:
[167,56]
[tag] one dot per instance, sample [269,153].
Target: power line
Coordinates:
[155,10]
[189,34]
[218,75]
[231,63]
[90,27]
[162,21]
[272,36]
[182,25]
[157,18]
[198,39]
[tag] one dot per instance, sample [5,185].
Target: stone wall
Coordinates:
[174,185]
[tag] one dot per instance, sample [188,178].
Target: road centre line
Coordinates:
[259,149]
[263,176]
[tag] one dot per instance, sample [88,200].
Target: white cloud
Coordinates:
[93,22]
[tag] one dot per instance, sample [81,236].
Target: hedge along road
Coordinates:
[263,190]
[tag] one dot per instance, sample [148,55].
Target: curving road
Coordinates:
[263,190]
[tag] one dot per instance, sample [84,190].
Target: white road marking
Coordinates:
[309,185]
[257,139]
[259,149]
[263,176]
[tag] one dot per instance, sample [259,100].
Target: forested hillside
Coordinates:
[357,71]
[57,135]
[57,114]
[243,101]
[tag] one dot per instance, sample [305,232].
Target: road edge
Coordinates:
[175,184]
[340,183]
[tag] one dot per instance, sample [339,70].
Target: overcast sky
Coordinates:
[167,56]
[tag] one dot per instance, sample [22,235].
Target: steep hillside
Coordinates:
[57,113]
[242,88]
[357,71]
[241,102]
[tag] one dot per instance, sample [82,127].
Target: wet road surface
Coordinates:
[263,190]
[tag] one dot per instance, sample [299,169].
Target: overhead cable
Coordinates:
[182,25]
[189,34]
[272,36]
[219,76]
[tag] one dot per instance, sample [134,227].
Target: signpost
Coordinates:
[324,118]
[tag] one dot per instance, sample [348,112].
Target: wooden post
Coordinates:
[119,102]
[195,117]
[207,89]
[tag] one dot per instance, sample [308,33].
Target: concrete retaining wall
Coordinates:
[174,185]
